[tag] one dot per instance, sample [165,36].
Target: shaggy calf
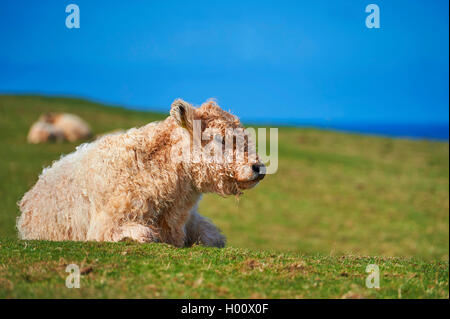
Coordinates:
[131,185]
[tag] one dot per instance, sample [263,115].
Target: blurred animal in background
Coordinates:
[58,127]
[41,132]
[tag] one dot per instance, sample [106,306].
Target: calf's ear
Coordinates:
[183,113]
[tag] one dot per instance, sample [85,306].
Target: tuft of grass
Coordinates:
[335,198]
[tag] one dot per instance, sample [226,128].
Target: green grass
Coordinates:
[301,233]
[37,269]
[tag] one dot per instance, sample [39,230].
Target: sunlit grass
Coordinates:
[130,270]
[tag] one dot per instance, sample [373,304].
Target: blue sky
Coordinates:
[264,60]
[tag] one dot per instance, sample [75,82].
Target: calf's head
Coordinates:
[222,154]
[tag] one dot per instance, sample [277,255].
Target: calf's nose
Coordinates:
[259,169]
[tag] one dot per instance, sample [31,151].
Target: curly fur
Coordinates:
[128,186]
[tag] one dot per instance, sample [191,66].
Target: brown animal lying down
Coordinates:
[58,127]
[130,185]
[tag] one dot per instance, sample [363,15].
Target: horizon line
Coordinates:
[355,126]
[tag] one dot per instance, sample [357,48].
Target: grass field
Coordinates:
[337,203]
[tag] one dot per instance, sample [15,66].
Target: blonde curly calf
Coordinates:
[129,185]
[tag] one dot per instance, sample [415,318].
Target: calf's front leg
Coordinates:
[136,232]
[104,228]
[200,230]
